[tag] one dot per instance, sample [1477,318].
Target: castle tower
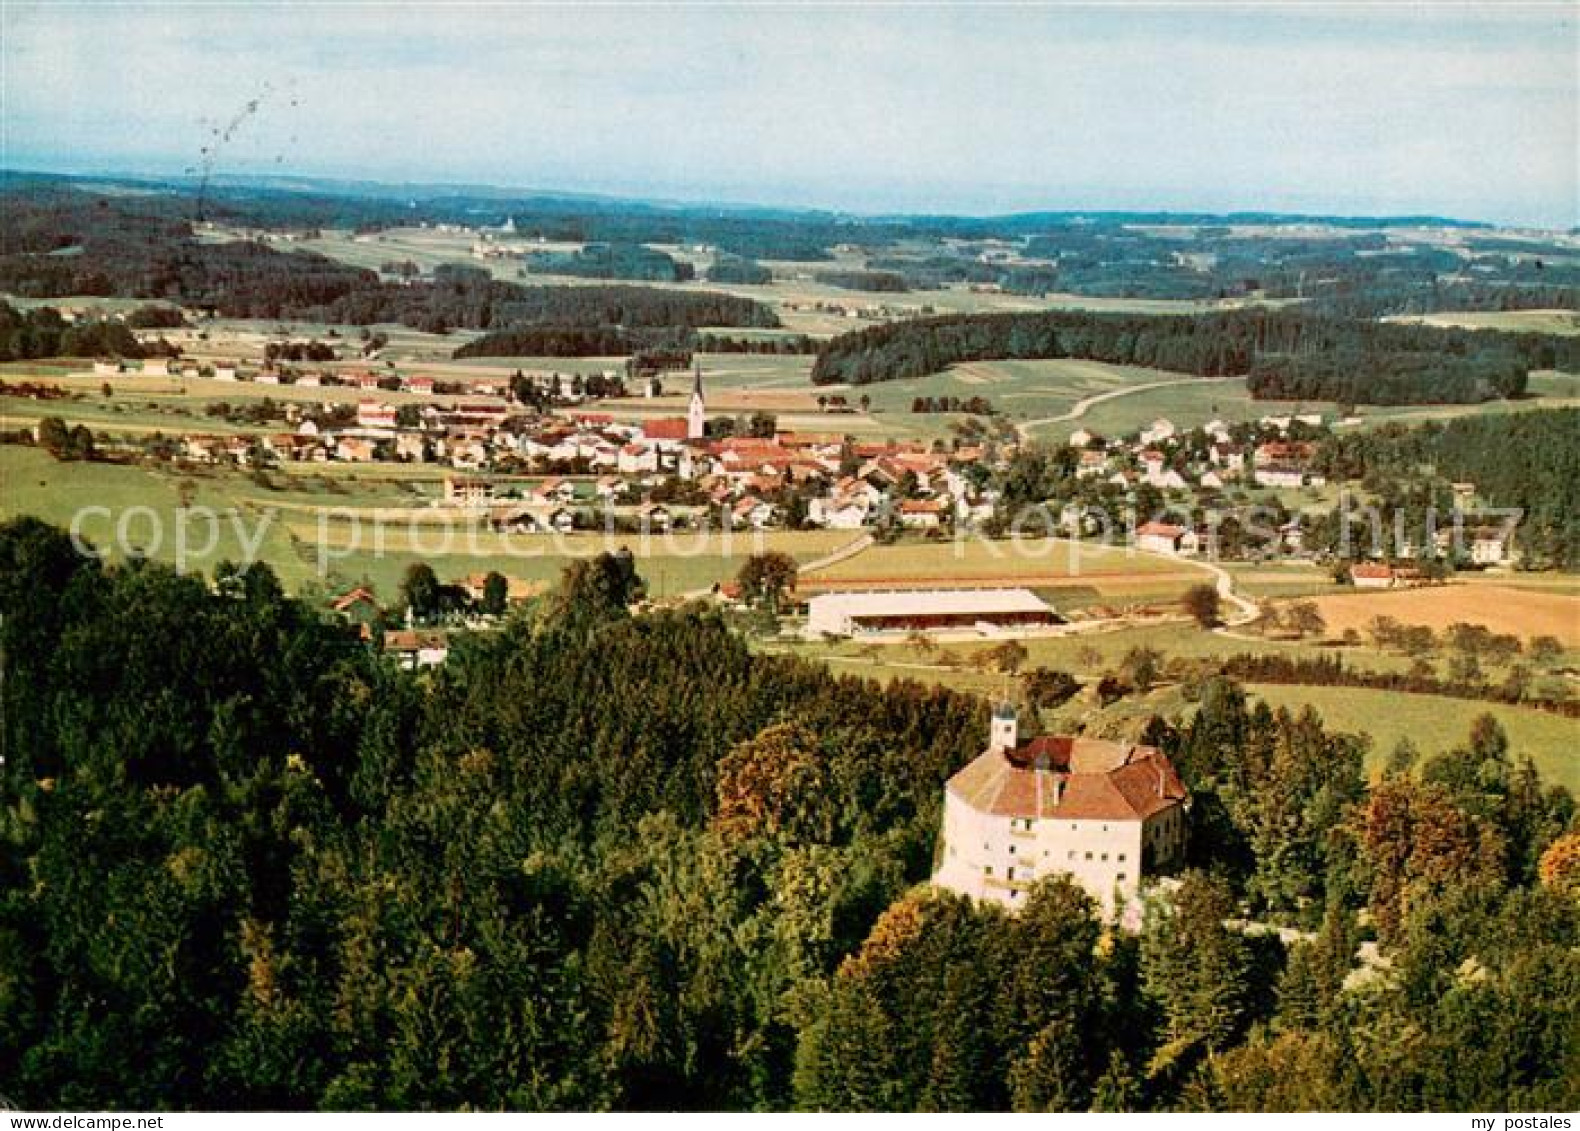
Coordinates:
[1005,733]
[696,417]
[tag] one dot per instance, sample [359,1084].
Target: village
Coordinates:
[542,451]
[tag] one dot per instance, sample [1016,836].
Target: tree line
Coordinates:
[1281,351]
[42,332]
[612,261]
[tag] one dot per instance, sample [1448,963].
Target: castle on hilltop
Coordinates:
[1105,813]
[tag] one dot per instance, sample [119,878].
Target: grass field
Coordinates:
[1099,572]
[1279,579]
[286,532]
[1518,321]
[1436,723]
[1433,723]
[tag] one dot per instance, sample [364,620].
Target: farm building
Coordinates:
[1160,537]
[1104,813]
[1372,575]
[906,610]
[464,492]
[417,648]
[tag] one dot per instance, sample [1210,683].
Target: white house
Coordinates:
[375,414]
[846,513]
[1165,479]
[467,492]
[1159,537]
[1371,575]
[1489,547]
[1277,476]
[921,514]
[635,459]
[1158,431]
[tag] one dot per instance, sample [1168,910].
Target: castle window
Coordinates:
[1072,854]
[1088,855]
[1105,858]
[988,871]
[1120,877]
[1121,857]
[1012,850]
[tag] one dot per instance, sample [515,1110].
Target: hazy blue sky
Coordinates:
[1467,110]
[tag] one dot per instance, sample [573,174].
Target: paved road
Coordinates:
[1080,407]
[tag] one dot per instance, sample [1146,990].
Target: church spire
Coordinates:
[696,414]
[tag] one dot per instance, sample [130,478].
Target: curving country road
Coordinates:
[1246,610]
[1080,407]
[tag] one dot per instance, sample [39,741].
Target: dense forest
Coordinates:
[612,261]
[1526,460]
[885,281]
[573,341]
[604,860]
[42,332]
[1285,352]
[737,269]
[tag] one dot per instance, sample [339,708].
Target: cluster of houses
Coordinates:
[757,482]
[1161,457]
[552,387]
[666,472]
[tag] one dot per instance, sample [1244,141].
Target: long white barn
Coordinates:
[904,610]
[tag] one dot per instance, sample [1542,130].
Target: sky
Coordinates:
[1465,110]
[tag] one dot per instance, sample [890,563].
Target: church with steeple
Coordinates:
[696,414]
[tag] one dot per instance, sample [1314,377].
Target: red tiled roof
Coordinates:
[1161,529]
[1069,778]
[360,593]
[670,428]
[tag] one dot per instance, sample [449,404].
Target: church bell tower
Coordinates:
[696,417]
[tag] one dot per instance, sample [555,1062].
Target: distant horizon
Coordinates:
[1381,109]
[348,184]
